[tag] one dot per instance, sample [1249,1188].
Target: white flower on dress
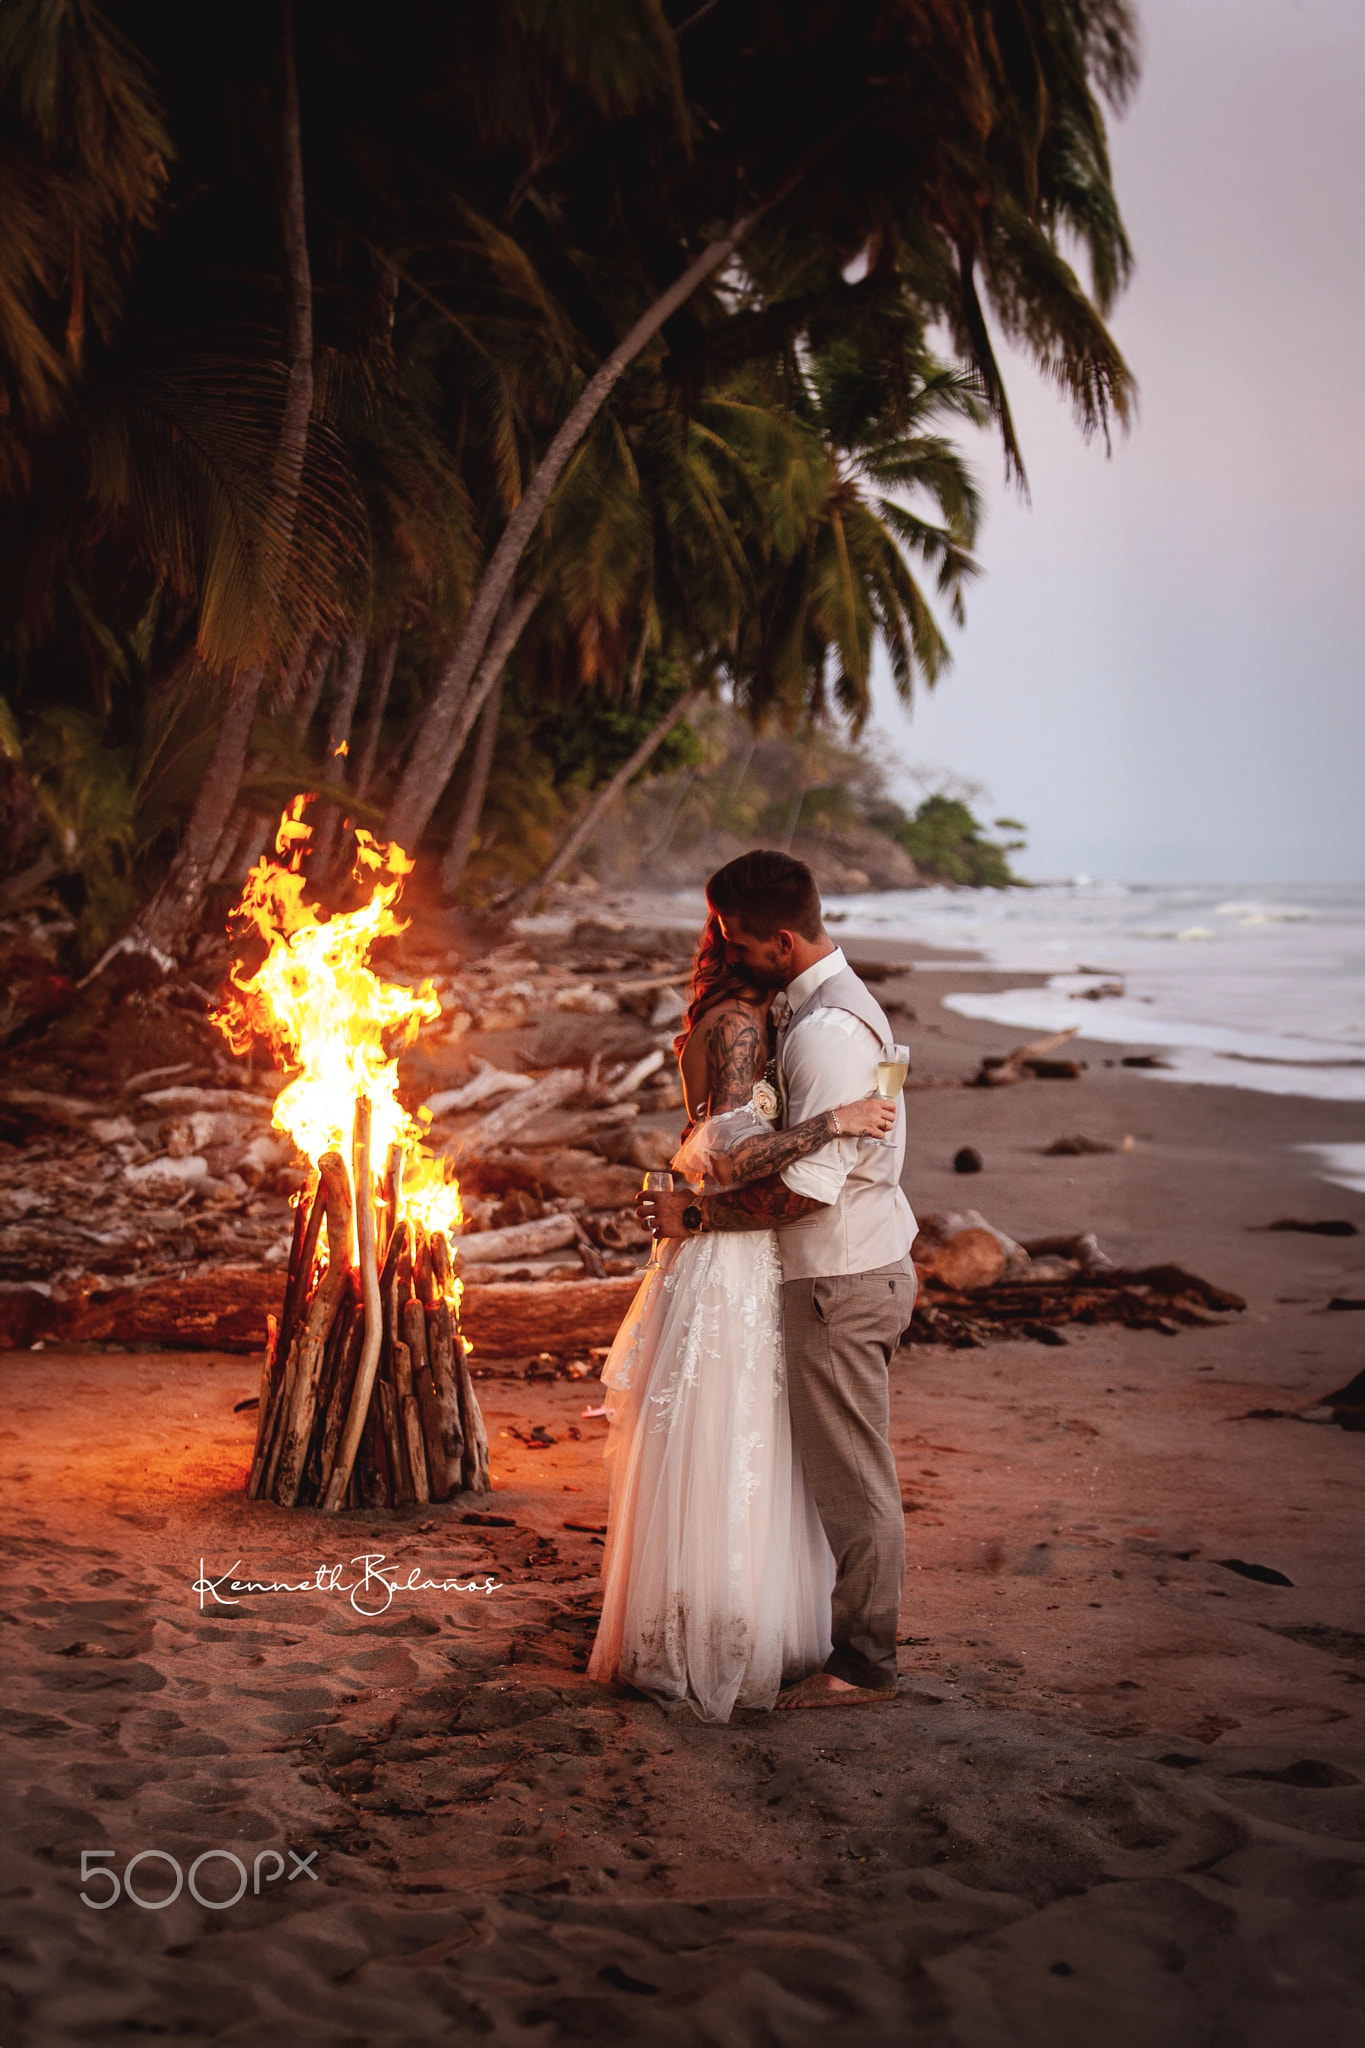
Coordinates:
[766,1101]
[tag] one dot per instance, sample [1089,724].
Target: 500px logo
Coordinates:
[94,1865]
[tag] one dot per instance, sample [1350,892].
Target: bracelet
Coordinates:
[834,1119]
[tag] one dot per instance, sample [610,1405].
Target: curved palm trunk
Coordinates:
[419,789]
[379,704]
[511,624]
[247,833]
[467,824]
[349,672]
[522,899]
[167,920]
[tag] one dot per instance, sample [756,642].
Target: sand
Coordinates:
[1118,1801]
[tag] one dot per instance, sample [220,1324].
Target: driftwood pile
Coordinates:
[366,1398]
[976,1283]
[187,1237]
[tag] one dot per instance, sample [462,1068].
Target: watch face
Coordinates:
[692,1217]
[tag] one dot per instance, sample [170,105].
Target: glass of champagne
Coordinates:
[892,1069]
[657,1184]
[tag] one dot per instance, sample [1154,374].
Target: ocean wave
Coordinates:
[1247,987]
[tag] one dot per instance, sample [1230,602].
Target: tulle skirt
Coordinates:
[718,1574]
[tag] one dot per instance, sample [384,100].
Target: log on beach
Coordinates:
[228,1311]
[512,1318]
[225,1310]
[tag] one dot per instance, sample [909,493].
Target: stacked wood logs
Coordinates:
[366,1398]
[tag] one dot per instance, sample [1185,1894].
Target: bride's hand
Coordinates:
[869,1118]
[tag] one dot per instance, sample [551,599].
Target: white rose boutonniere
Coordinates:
[766,1101]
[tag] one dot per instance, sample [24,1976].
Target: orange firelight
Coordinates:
[332,1023]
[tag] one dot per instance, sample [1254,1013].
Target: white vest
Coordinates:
[871,1224]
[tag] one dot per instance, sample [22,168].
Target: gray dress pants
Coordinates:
[840,1333]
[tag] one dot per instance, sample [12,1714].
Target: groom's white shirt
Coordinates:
[829,1057]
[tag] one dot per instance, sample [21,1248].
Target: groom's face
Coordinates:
[767,962]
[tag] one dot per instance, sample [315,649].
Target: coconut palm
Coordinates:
[536,275]
[963,141]
[84,152]
[792,511]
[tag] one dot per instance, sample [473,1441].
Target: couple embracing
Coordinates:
[756,1542]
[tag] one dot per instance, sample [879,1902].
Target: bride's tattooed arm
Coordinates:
[736,1054]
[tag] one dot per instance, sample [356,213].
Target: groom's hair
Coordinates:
[767,892]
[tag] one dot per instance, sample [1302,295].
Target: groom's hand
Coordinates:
[663,1213]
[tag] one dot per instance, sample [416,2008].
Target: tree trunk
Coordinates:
[248,832]
[379,703]
[314,683]
[166,921]
[511,625]
[656,847]
[298,278]
[524,897]
[163,925]
[419,789]
[350,669]
[243,828]
[462,838]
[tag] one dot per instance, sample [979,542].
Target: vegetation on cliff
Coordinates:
[829,801]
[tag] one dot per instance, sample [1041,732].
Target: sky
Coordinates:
[1161,671]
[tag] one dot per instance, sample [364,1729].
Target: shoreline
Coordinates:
[1025,1002]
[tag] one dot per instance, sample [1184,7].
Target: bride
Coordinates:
[717,1571]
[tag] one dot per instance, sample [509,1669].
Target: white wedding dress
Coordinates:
[717,1572]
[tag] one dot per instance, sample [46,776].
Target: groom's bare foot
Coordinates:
[823,1689]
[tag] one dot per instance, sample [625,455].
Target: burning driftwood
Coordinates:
[366,1398]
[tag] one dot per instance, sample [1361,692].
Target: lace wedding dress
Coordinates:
[717,1572]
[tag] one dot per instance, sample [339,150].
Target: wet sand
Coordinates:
[1118,1801]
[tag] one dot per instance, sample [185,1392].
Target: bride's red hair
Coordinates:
[713,981]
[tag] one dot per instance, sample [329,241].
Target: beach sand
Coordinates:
[1119,1800]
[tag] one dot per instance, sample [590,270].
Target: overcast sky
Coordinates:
[1161,671]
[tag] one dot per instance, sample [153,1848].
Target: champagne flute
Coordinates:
[657,1184]
[892,1069]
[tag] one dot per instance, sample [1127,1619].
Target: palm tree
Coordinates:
[811,545]
[540,273]
[962,141]
[165,921]
[84,152]
[877,402]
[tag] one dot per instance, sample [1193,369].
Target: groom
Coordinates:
[844,1230]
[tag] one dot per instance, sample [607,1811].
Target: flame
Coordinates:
[331,1019]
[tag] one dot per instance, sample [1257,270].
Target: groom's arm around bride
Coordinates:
[844,1232]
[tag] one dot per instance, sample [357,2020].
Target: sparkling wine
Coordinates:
[891,1073]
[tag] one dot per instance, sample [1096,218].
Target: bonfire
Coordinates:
[366,1398]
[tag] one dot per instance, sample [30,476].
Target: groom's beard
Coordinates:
[739,973]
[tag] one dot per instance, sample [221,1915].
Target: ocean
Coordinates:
[1235,986]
